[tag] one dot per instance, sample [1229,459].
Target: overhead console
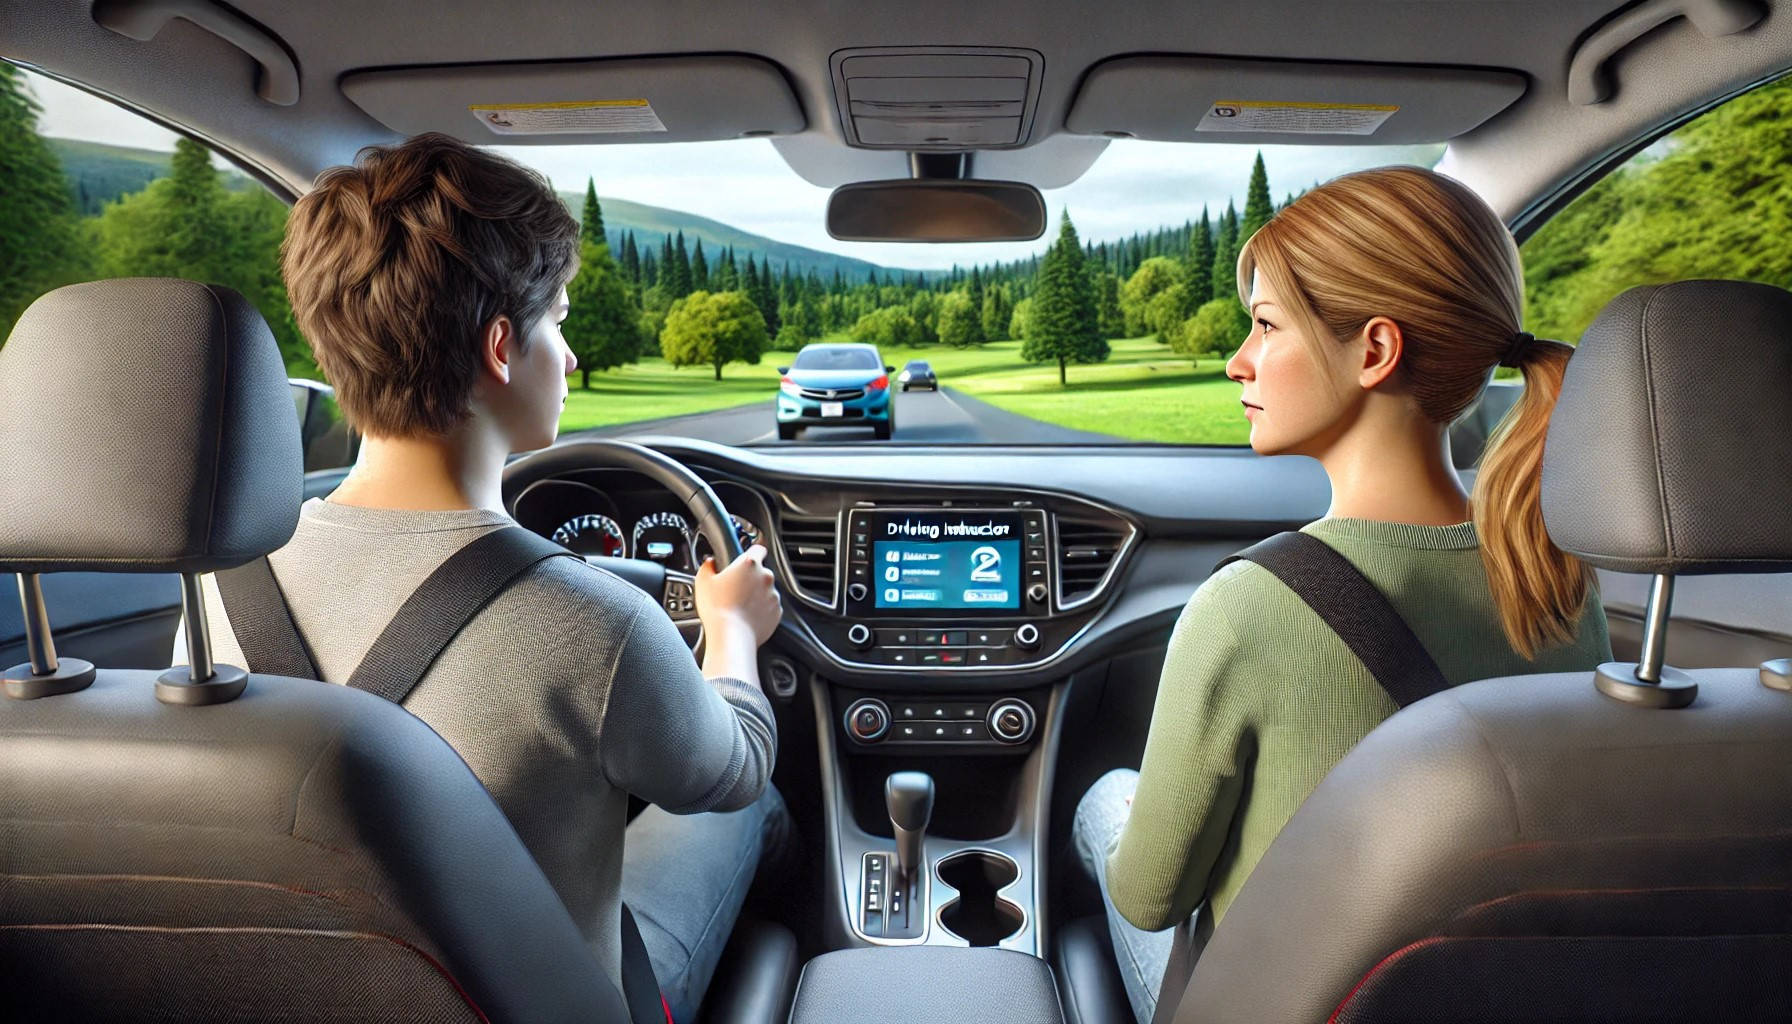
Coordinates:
[933,98]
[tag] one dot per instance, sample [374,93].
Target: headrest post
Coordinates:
[40,646]
[44,675]
[1655,629]
[1650,682]
[201,680]
[199,636]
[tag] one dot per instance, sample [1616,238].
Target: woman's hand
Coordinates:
[739,601]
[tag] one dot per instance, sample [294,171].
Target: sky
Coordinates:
[1134,186]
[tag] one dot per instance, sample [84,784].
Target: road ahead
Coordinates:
[922,417]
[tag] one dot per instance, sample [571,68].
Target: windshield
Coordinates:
[695,235]
[831,358]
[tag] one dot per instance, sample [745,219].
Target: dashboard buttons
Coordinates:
[857,592]
[1026,636]
[1011,721]
[859,635]
[867,720]
[1036,593]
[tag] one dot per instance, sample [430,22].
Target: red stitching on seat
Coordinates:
[1364,980]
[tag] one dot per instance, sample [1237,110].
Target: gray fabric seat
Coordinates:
[301,852]
[1536,848]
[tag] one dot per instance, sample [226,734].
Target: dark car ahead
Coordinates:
[836,385]
[918,373]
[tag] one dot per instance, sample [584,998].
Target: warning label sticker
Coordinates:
[579,117]
[1295,118]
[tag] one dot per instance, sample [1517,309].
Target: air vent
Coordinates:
[1086,550]
[810,545]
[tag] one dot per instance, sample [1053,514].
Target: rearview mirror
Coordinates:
[783,369]
[936,210]
[889,369]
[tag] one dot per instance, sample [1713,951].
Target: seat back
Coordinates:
[1609,845]
[213,846]
[304,852]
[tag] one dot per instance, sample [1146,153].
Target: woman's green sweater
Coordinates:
[1259,699]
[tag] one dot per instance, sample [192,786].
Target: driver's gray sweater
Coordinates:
[571,690]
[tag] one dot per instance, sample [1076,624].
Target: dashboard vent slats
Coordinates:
[1086,550]
[810,546]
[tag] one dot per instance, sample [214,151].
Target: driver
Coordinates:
[430,280]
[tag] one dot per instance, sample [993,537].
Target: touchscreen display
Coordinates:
[946,561]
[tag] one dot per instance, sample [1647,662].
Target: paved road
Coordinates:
[922,417]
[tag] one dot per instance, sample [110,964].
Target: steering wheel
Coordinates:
[675,591]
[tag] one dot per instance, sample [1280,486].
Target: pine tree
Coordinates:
[680,269]
[1062,324]
[601,327]
[631,260]
[39,239]
[1258,206]
[998,313]
[1107,304]
[1225,256]
[1200,258]
[699,270]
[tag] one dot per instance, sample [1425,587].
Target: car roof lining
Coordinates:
[1520,159]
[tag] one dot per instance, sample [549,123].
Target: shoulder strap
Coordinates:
[262,622]
[1354,609]
[640,990]
[443,605]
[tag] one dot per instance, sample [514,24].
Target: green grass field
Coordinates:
[1143,392]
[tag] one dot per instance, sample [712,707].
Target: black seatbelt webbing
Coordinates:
[262,622]
[640,990]
[1354,609]
[439,609]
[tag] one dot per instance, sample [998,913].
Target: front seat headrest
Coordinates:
[146,425]
[1670,449]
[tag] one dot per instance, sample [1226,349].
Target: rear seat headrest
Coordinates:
[1670,449]
[146,425]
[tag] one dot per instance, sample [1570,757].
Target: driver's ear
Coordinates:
[1381,355]
[497,344]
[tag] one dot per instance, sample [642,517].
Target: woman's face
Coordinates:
[1297,403]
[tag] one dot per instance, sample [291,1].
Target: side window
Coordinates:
[95,191]
[1712,199]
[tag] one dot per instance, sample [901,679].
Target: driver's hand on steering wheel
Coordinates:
[740,601]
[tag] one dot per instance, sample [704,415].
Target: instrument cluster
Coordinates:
[649,525]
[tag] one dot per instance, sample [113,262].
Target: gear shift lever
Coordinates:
[909,798]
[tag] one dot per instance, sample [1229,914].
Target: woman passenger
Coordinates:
[1381,303]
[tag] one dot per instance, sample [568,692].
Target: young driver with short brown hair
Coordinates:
[430,279]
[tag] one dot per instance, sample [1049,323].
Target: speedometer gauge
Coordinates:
[664,537]
[592,535]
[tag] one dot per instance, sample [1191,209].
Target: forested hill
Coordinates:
[99,173]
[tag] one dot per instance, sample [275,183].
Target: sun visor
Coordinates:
[1263,102]
[653,99]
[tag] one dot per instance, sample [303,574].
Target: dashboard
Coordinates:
[616,514]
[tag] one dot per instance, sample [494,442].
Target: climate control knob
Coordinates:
[1011,721]
[1026,636]
[859,636]
[868,720]
[857,592]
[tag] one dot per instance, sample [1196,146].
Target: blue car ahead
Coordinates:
[836,386]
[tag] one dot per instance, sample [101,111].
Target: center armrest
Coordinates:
[926,984]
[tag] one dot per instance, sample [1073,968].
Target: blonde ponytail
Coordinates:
[1424,251]
[1538,588]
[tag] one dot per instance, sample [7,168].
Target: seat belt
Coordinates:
[423,627]
[1361,615]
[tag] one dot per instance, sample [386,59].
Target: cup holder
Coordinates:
[978,915]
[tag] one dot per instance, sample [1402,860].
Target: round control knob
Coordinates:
[868,720]
[1011,721]
[1036,593]
[858,635]
[857,592]
[1026,636]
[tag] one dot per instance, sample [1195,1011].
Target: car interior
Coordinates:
[214,845]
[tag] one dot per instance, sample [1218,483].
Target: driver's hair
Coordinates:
[395,265]
[1429,254]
